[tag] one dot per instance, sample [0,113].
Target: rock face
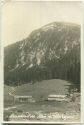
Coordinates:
[51,52]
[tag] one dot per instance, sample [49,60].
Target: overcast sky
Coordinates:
[20,18]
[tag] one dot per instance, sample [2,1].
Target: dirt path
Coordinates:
[13,107]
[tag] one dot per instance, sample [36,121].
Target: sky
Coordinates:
[19,19]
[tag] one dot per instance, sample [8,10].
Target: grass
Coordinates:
[40,92]
[39,89]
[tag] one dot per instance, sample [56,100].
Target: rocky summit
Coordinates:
[50,52]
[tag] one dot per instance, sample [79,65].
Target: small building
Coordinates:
[57,97]
[18,98]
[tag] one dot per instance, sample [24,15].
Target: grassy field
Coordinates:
[39,89]
[42,109]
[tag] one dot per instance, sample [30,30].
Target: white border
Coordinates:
[82,66]
[1,67]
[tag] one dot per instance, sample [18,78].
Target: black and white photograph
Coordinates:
[42,61]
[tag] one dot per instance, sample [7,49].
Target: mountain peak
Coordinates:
[48,47]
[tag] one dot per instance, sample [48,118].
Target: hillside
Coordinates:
[40,91]
[50,52]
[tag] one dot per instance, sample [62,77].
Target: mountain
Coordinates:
[50,52]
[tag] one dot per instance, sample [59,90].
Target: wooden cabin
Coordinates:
[57,97]
[18,98]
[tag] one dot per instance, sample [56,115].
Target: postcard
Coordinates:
[42,61]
